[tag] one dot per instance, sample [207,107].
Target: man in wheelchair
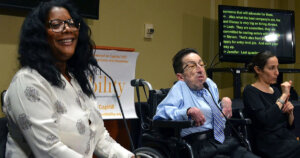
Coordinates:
[194,97]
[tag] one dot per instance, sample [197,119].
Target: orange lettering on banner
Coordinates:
[112,60]
[105,107]
[107,86]
[121,89]
[104,83]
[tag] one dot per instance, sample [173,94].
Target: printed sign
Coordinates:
[120,65]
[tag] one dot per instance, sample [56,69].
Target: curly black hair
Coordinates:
[35,51]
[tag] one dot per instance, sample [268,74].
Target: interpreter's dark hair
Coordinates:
[36,53]
[260,61]
[177,59]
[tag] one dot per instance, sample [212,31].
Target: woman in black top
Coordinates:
[270,111]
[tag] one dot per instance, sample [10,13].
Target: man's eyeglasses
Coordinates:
[58,25]
[193,65]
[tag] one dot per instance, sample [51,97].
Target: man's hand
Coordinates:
[196,115]
[226,106]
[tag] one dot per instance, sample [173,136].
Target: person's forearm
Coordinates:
[291,118]
[283,98]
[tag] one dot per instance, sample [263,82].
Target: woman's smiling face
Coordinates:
[63,44]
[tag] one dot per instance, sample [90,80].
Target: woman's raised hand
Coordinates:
[285,87]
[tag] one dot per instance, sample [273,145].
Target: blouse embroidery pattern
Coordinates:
[61,109]
[51,139]
[32,94]
[24,122]
[80,127]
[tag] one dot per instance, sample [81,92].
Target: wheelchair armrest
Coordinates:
[178,124]
[239,121]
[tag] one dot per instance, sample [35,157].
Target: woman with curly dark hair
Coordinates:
[50,103]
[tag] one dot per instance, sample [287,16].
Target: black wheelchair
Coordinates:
[161,138]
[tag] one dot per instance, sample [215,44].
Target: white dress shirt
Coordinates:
[55,122]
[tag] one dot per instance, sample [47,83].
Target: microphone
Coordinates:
[205,85]
[120,106]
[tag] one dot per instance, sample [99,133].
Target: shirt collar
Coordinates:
[199,92]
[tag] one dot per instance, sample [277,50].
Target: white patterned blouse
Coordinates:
[55,122]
